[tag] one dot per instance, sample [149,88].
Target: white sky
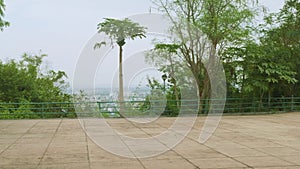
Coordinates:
[60,28]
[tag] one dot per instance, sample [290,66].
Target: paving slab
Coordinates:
[239,142]
[214,163]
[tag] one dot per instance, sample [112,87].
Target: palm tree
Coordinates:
[118,31]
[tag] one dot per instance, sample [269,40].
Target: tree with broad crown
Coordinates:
[203,29]
[118,31]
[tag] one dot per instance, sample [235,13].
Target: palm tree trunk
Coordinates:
[121,89]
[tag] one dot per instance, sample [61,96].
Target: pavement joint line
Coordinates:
[138,159]
[196,167]
[87,149]
[269,154]
[207,147]
[298,149]
[51,140]
[170,149]
[222,153]
[286,140]
[120,139]
[22,135]
[86,140]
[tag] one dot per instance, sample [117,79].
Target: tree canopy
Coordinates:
[120,30]
[26,81]
[3,23]
[260,61]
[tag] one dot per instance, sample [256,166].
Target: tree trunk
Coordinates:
[201,101]
[121,88]
[205,95]
[209,76]
[200,92]
[175,83]
[269,97]
[176,95]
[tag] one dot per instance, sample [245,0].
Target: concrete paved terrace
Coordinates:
[261,142]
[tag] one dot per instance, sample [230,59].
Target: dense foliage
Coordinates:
[260,61]
[25,82]
[268,67]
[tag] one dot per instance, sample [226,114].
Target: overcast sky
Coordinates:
[60,28]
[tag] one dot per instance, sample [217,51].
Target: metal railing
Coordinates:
[255,105]
[37,110]
[169,108]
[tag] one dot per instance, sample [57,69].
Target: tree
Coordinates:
[256,69]
[171,106]
[267,66]
[23,81]
[203,28]
[282,35]
[3,23]
[168,64]
[118,31]
[24,85]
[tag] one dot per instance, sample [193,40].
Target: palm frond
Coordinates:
[98,45]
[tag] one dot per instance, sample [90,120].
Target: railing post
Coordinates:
[99,106]
[269,104]
[283,104]
[292,107]
[43,109]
